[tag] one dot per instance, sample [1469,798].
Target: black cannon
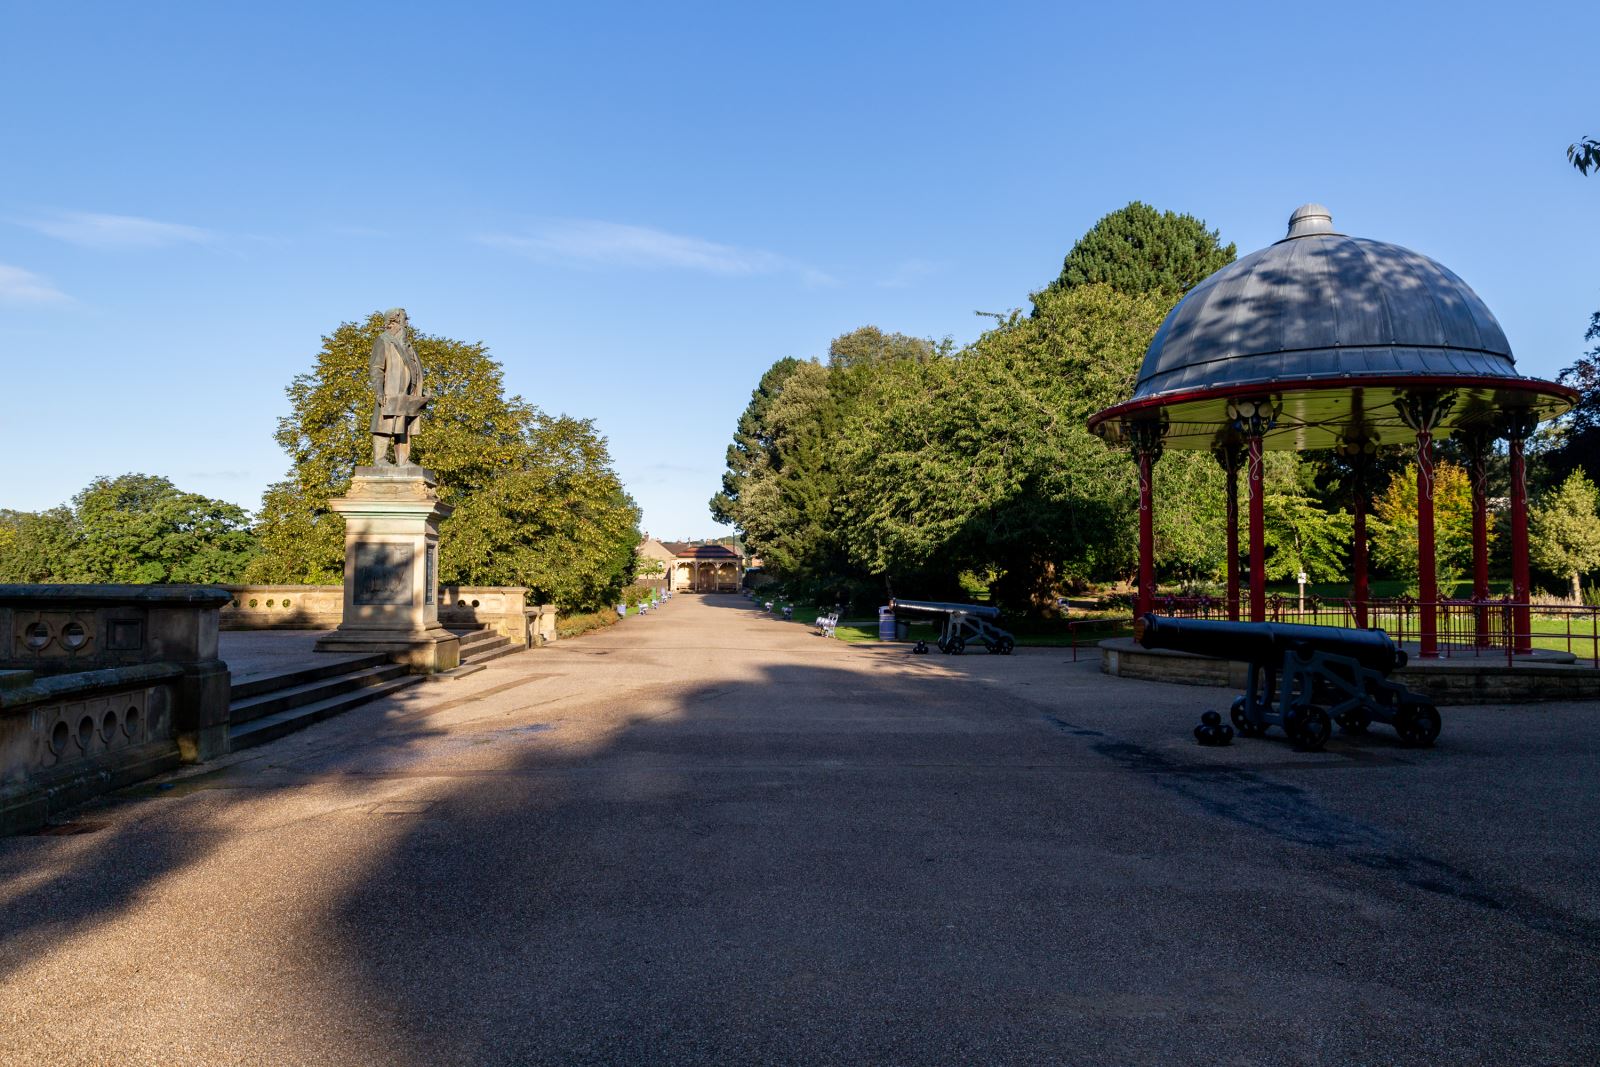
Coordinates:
[960,624]
[1303,679]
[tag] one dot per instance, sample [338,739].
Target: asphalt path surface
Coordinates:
[707,836]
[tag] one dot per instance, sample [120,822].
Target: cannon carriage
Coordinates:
[1305,679]
[961,625]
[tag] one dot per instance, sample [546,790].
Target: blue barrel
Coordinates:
[886,623]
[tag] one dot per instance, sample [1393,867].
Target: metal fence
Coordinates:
[1464,628]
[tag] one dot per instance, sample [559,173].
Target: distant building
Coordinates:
[688,568]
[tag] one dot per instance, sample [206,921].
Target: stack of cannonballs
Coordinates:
[1212,730]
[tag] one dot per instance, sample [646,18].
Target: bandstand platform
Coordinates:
[1462,674]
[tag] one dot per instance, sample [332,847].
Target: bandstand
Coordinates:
[1326,341]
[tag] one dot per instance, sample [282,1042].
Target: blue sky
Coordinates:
[641,207]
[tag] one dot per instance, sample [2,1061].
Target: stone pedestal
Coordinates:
[391,568]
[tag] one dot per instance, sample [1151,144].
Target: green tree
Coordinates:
[1584,154]
[1137,249]
[537,503]
[752,441]
[786,489]
[557,522]
[141,529]
[1302,535]
[1576,444]
[36,546]
[1394,525]
[983,461]
[1564,530]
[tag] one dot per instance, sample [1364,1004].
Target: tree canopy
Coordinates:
[537,502]
[1564,531]
[1394,529]
[1137,249]
[135,528]
[899,463]
[1584,154]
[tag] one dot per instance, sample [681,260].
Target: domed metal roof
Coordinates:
[1319,303]
[1321,311]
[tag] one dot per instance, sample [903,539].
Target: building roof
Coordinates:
[1337,327]
[684,550]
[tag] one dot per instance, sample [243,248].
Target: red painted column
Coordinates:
[1358,549]
[1233,539]
[1258,528]
[1521,617]
[1478,454]
[1147,532]
[1427,566]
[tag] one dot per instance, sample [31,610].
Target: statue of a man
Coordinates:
[397,385]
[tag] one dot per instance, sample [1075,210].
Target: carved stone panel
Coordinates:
[383,573]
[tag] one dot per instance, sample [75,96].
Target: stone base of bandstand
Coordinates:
[391,566]
[1460,678]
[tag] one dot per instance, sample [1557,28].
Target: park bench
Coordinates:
[827,624]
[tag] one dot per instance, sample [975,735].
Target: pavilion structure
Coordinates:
[1325,341]
[693,568]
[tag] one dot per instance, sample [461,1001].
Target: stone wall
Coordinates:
[503,609]
[67,738]
[283,607]
[101,685]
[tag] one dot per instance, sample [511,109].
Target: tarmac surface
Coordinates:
[707,836]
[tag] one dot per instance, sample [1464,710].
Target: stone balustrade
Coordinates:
[503,609]
[101,685]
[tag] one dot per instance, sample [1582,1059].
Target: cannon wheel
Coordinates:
[1308,726]
[1241,721]
[1353,722]
[1006,646]
[956,646]
[1418,725]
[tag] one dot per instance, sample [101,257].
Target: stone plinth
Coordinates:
[391,567]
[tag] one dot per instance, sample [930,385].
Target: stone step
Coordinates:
[271,727]
[456,673]
[471,642]
[267,683]
[487,654]
[309,692]
[481,646]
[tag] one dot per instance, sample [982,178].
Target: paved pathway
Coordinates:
[707,836]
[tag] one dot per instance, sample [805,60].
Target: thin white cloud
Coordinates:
[93,230]
[18,286]
[617,244]
[908,272]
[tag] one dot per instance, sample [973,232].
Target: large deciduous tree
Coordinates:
[902,461]
[983,461]
[1394,531]
[1577,435]
[537,503]
[36,546]
[1564,531]
[134,529]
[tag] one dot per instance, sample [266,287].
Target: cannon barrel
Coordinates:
[935,607]
[1264,642]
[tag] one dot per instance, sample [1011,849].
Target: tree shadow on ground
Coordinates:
[841,862]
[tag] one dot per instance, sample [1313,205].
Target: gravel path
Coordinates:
[706,836]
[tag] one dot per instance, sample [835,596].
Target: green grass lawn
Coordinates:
[1087,629]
